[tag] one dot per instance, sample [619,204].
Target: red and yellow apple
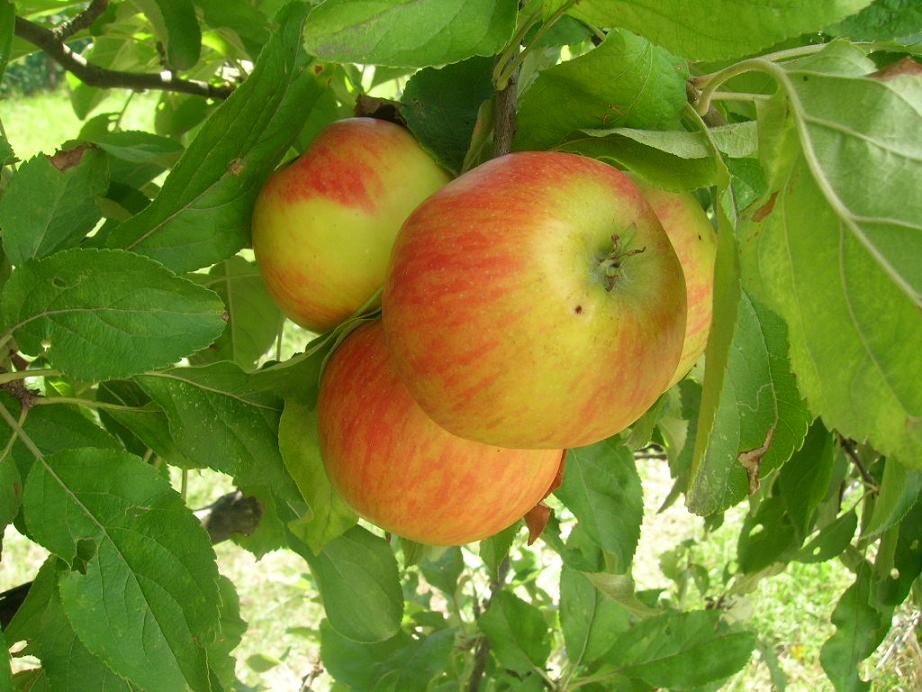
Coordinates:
[535,302]
[398,469]
[695,243]
[323,226]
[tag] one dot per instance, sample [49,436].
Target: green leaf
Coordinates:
[444,572]
[805,479]
[409,33]
[620,588]
[759,403]
[254,319]
[248,23]
[42,622]
[899,490]
[47,208]
[136,158]
[10,490]
[882,20]
[220,419]
[861,625]
[716,29]
[831,541]
[441,105]
[52,429]
[495,549]
[146,595]
[625,82]
[177,29]
[682,650]
[202,214]
[7,25]
[358,581]
[849,289]
[329,516]
[601,487]
[99,314]
[518,634]
[232,628]
[404,662]
[589,620]
[768,536]
[907,561]
[670,159]
[146,427]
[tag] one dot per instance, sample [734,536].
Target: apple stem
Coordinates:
[611,264]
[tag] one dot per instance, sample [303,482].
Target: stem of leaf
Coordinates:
[18,431]
[89,403]
[23,374]
[507,69]
[184,483]
[15,435]
[718,78]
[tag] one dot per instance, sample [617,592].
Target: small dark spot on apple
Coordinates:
[318,69]
[578,309]
[699,236]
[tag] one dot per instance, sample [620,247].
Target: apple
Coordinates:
[398,469]
[324,225]
[695,242]
[535,302]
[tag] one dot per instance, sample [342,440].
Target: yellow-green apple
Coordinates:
[535,302]
[400,470]
[323,226]
[695,243]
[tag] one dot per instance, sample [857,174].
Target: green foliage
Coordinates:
[141,343]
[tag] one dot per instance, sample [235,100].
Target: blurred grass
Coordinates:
[280,649]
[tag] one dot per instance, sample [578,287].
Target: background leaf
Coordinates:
[589,620]
[409,33]
[100,314]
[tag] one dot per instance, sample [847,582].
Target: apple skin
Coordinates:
[323,226]
[398,469]
[695,242]
[497,311]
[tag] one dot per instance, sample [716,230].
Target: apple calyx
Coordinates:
[610,266]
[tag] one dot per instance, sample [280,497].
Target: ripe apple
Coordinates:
[323,226]
[400,470]
[535,302]
[695,243]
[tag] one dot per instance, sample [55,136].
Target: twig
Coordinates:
[504,120]
[859,464]
[94,75]
[231,514]
[482,653]
[82,21]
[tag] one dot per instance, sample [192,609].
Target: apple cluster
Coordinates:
[539,302]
